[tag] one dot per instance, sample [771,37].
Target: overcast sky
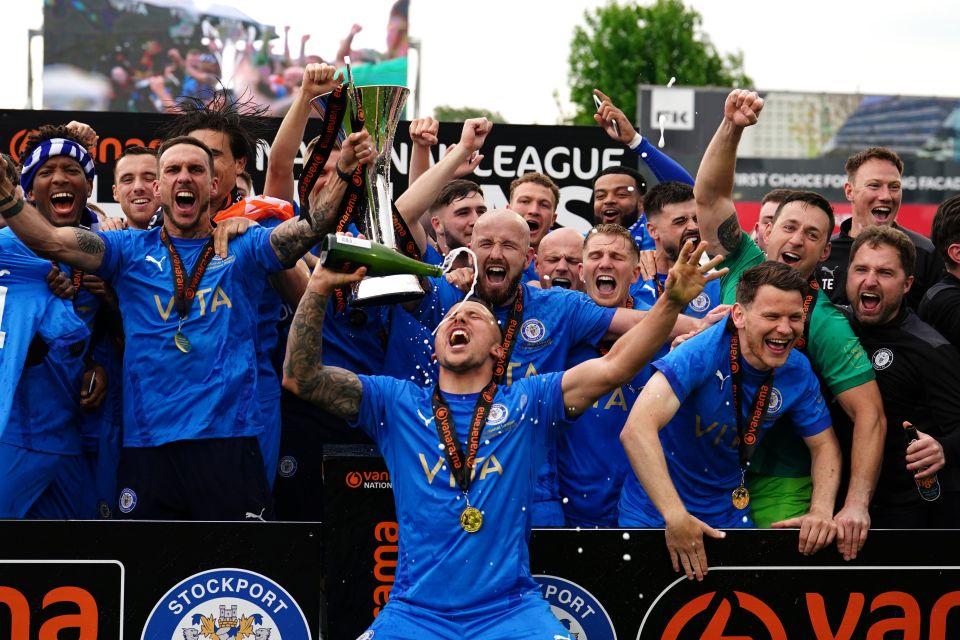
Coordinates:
[511,55]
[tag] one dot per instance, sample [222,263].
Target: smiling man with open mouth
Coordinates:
[875,191]
[798,236]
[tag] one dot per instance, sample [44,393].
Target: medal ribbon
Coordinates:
[509,336]
[604,347]
[355,194]
[749,437]
[183,291]
[461,465]
[812,287]
[330,125]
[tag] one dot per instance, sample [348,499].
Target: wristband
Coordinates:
[635,142]
[14,210]
[7,200]
[346,177]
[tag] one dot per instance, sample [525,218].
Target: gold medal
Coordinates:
[471,520]
[740,497]
[182,342]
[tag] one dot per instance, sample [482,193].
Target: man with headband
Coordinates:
[41,445]
[190,324]
[462,456]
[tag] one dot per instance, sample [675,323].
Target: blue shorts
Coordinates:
[39,485]
[526,618]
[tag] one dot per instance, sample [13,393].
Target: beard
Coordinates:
[499,297]
[186,227]
[673,251]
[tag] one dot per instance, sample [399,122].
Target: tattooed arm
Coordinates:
[335,390]
[294,237]
[713,188]
[77,247]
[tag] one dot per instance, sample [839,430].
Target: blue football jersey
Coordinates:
[443,567]
[591,462]
[27,308]
[45,411]
[700,442]
[648,292]
[554,322]
[432,256]
[210,392]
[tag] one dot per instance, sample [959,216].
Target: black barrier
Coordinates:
[160,580]
[618,584]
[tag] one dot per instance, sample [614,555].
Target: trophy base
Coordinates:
[395,289]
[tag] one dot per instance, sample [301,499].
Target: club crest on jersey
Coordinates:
[128,500]
[776,402]
[577,609]
[533,331]
[223,604]
[287,466]
[700,303]
[498,415]
[882,359]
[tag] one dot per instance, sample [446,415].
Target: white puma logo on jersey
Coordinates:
[722,378]
[823,267]
[159,262]
[4,272]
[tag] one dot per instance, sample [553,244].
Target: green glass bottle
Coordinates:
[345,254]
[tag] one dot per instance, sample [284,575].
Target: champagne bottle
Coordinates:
[928,487]
[346,254]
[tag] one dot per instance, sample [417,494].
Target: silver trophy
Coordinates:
[382,109]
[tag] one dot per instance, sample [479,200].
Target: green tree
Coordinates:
[446,113]
[623,46]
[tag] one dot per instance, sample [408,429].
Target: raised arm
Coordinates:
[335,390]
[423,135]
[655,407]
[626,319]
[585,383]
[77,247]
[318,79]
[713,190]
[294,237]
[420,195]
[664,167]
